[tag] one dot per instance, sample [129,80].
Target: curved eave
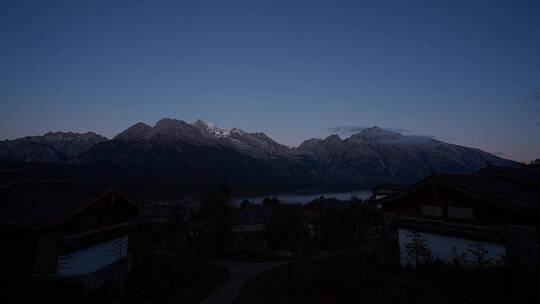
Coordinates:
[489,198]
[78,208]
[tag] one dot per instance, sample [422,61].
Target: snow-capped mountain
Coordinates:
[257,145]
[166,131]
[203,149]
[53,147]
[381,153]
[202,132]
[205,126]
[135,133]
[376,134]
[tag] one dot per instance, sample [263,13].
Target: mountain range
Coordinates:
[201,152]
[53,147]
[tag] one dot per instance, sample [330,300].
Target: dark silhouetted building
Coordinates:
[496,208]
[65,227]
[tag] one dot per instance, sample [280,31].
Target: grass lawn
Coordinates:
[344,280]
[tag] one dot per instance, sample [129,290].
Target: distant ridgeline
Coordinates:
[173,151]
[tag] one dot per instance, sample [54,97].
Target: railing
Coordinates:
[495,233]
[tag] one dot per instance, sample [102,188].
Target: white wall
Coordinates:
[92,259]
[446,248]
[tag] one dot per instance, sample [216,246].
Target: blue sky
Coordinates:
[466,72]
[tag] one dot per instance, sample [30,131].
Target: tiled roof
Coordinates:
[511,187]
[473,231]
[529,175]
[512,192]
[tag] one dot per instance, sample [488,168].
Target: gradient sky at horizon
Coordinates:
[465,72]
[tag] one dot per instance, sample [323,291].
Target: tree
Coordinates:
[180,243]
[480,256]
[271,201]
[533,163]
[213,222]
[418,249]
[285,229]
[339,229]
[328,226]
[245,204]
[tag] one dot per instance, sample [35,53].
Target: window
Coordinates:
[460,213]
[432,211]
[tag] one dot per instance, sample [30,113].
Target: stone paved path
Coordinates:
[241,272]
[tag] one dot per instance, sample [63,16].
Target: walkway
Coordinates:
[241,272]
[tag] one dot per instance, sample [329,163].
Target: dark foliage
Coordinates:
[342,229]
[212,222]
[285,229]
[349,280]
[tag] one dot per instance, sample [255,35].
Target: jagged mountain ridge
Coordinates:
[170,131]
[52,147]
[203,149]
[196,152]
[392,156]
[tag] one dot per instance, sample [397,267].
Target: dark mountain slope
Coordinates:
[53,147]
[202,153]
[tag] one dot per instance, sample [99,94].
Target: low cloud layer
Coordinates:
[407,139]
[350,130]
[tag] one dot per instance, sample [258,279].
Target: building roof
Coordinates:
[516,194]
[162,211]
[525,175]
[507,187]
[36,203]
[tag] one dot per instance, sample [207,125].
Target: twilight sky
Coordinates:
[466,72]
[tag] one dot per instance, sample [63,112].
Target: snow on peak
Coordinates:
[238,131]
[211,128]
